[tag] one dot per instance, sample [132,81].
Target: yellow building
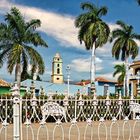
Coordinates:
[135,78]
[57,74]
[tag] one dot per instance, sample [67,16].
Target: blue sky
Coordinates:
[58,30]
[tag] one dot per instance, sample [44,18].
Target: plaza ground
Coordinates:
[27,131]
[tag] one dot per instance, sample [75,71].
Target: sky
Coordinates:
[58,30]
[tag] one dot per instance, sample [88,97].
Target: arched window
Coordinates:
[137,71]
[58,71]
[57,65]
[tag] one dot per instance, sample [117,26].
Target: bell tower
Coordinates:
[57,75]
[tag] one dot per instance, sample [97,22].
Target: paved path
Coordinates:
[74,131]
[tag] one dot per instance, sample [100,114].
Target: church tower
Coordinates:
[57,75]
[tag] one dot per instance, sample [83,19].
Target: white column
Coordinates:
[16,112]
[138,83]
[92,66]
[68,79]
[68,85]
[132,95]
[127,77]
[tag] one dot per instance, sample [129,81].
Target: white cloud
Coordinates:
[117,63]
[138,42]
[113,26]
[48,72]
[29,67]
[83,65]
[98,60]
[60,27]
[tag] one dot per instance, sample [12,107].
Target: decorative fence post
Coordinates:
[120,104]
[16,112]
[132,99]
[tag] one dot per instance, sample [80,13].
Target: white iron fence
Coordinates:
[67,119]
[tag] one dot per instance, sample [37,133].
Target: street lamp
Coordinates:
[68,78]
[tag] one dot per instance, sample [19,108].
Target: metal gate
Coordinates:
[38,118]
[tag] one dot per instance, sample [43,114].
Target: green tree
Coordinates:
[17,41]
[93,31]
[30,74]
[125,45]
[120,70]
[138,2]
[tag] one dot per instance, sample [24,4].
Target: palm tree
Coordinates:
[138,2]
[30,74]
[17,38]
[93,31]
[124,45]
[120,70]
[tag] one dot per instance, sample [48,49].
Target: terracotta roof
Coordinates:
[99,79]
[135,63]
[4,83]
[86,82]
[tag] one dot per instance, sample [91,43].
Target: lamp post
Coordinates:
[68,78]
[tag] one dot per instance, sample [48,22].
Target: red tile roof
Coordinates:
[99,79]
[4,83]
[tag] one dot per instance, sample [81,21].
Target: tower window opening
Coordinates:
[58,59]
[57,65]
[137,71]
[58,71]
[57,78]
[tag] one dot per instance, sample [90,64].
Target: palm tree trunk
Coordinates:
[92,66]
[18,74]
[126,78]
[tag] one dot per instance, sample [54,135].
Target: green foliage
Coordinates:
[56,96]
[91,27]
[29,74]
[124,41]
[138,2]
[121,71]
[17,41]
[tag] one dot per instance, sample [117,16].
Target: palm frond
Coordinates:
[3,56]
[17,23]
[82,19]
[116,33]
[120,70]
[138,2]
[124,41]
[117,46]
[102,32]
[14,57]
[24,73]
[33,24]
[135,36]
[15,35]
[35,39]
[102,11]
[122,24]
[133,48]
[88,6]
[35,59]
